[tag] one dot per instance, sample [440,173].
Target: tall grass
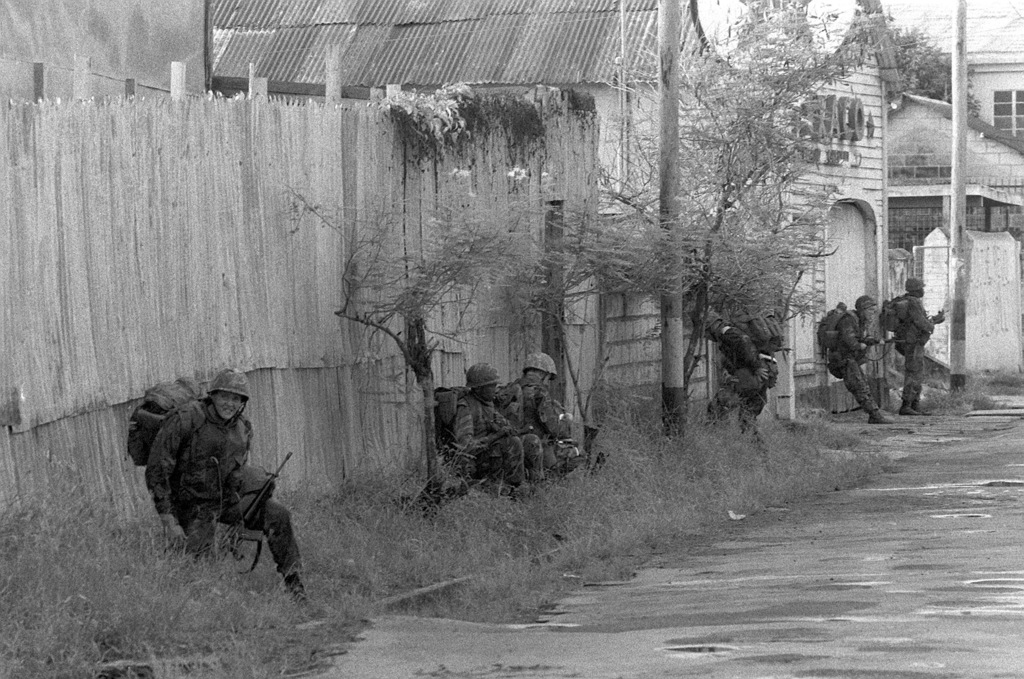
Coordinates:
[980,392]
[80,586]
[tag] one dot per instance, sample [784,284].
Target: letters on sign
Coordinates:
[831,118]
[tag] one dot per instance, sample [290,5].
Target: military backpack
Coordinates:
[894,313]
[157,403]
[764,330]
[828,329]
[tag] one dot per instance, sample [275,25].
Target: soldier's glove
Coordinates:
[939,317]
[761,374]
[172,530]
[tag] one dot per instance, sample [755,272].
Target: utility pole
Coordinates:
[959,244]
[673,393]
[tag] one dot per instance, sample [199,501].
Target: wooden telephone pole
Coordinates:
[673,393]
[959,244]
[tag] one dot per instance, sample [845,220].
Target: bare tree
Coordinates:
[751,126]
[395,286]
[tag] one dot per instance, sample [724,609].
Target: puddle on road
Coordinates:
[961,515]
[699,649]
[973,485]
[1012,584]
[851,585]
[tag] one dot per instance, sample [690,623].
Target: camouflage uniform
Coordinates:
[913,332]
[846,359]
[750,375]
[538,416]
[489,442]
[196,471]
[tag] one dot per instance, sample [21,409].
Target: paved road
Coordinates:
[919,575]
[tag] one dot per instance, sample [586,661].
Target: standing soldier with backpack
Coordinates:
[848,351]
[913,330]
[196,472]
[750,366]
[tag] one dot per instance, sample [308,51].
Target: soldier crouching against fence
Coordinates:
[850,352]
[489,445]
[196,471]
[750,374]
[541,418]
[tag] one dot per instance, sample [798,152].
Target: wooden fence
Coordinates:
[147,240]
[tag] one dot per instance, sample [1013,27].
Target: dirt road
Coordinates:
[919,575]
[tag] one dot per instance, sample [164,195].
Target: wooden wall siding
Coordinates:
[145,240]
[863,184]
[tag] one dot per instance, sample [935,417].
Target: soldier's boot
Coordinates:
[908,409]
[878,417]
[293,583]
[916,405]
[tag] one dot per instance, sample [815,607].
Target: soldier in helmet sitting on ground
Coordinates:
[850,352]
[195,475]
[541,419]
[490,446]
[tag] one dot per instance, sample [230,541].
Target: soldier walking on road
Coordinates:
[196,472]
[913,330]
[850,352]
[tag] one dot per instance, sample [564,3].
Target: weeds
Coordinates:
[81,586]
[974,396]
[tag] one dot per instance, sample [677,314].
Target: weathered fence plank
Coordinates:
[147,240]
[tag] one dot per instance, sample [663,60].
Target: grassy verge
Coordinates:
[80,586]
[981,392]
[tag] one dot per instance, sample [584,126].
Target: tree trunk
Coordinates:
[429,442]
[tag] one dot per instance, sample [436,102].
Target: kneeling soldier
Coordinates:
[195,474]
[490,445]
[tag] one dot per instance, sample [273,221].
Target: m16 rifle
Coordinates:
[238,533]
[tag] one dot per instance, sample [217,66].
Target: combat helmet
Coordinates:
[480,375]
[540,361]
[232,381]
[865,302]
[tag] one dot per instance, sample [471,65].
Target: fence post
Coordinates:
[80,85]
[177,80]
[38,81]
[257,86]
[332,73]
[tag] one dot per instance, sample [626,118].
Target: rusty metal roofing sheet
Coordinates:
[270,13]
[432,42]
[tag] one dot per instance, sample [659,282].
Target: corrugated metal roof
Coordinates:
[430,42]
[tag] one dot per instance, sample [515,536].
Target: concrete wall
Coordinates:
[993,299]
[987,78]
[920,149]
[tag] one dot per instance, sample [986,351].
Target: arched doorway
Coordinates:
[850,271]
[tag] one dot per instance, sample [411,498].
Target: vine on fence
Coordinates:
[431,125]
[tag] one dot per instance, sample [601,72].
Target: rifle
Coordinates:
[240,532]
